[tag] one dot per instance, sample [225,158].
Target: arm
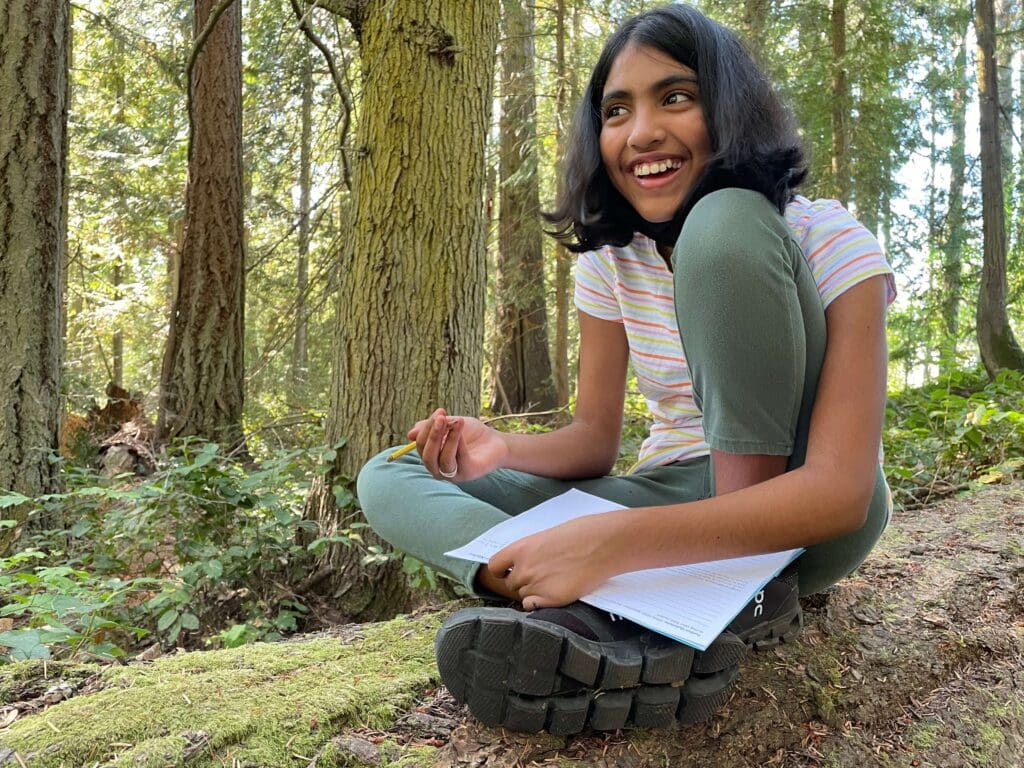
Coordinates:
[587,447]
[825,498]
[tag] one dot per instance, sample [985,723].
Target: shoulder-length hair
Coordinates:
[753,138]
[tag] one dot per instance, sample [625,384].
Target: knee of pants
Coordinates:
[731,237]
[377,493]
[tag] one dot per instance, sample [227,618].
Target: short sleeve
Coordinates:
[595,286]
[840,250]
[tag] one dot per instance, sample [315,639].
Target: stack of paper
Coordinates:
[689,603]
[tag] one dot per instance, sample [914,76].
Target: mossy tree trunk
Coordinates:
[300,351]
[409,333]
[998,346]
[522,369]
[34,44]
[203,367]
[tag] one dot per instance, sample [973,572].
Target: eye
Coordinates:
[612,111]
[679,97]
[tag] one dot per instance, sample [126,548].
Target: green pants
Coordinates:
[753,331]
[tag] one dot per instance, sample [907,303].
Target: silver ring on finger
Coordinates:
[448,475]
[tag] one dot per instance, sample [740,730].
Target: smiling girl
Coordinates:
[754,321]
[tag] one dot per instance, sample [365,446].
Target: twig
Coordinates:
[346,99]
[527,415]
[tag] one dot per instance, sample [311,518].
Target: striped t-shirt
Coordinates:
[633,286]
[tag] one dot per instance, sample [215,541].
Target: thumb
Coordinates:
[534,602]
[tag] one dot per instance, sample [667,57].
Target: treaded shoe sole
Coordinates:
[645,706]
[730,648]
[503,648]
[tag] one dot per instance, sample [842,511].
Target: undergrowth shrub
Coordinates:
[949,435]
[207,550]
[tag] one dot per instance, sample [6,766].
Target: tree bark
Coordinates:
[409,333]
[202,379]
[34,50]
[840,105]
[522,369]
[955,236]
[562,257]
[998,346]
[300,352]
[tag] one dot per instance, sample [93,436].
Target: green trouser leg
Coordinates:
[753,330]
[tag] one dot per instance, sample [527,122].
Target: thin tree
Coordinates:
[202,378]
[954,235]
[522,369]
[840,105]
[409,326]
[998,346]
[34,45]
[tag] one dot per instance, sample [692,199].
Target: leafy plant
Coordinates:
[942,438]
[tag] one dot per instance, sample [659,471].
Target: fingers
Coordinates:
[447,461]
[437,443]
[500,564]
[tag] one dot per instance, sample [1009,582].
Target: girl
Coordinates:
[701,267]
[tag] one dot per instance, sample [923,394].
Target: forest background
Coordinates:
[278,233]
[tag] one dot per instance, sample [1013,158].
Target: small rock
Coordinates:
[361,749]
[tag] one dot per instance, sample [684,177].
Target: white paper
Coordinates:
[689,603]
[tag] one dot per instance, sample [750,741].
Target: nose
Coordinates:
[647,131]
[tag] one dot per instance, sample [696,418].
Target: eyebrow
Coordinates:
[665,82]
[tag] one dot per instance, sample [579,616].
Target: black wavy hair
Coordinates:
[754,141]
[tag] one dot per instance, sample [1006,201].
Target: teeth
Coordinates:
[646,169]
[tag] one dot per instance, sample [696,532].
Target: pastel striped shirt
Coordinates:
[633,286]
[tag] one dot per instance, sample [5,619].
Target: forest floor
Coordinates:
[917,660]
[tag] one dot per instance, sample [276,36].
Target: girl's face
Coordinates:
[654,142]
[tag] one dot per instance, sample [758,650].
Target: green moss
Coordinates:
[924,735]
[258,705]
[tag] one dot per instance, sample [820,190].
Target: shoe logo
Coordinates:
[759,604]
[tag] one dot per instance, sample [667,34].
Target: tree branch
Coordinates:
[348,9]
[339,85]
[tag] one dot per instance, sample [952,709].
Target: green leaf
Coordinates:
[167,618]
[25,644]
[214,568]
[189,621]
[12,500]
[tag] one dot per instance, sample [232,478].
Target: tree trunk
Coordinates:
[522,369]
[562,257]
[840,105]
[755,21]
[409,333]
[202,379]
[300,352]
[34,50]
[955,236]
[998,346]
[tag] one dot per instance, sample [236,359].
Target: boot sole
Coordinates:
[530,676]
[730,648]
[537,658]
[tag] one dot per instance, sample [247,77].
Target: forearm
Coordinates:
[578,450]
[798,509]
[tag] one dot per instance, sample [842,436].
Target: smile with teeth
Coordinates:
[659,166]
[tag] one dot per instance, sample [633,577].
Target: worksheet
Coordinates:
[689,603]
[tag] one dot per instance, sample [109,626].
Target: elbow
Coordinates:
[845,496]
[852,501]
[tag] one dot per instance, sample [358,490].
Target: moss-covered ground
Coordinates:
[917,660]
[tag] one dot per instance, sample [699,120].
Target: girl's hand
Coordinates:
[458,444]
[557,566]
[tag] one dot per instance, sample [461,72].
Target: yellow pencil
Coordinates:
[402,451]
